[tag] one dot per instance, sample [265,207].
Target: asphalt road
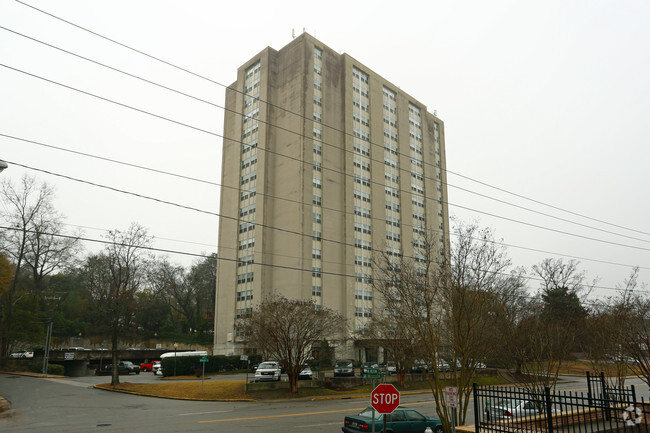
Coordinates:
[72,405]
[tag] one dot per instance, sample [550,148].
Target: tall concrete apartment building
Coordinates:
[324,163]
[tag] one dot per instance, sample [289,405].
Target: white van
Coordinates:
[180,354]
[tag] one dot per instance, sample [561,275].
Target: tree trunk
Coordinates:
[293,383]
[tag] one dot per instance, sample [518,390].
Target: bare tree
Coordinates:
[32,240]
[286,329]
[632,339]
[387,332]
[450,307]
[553,324]
[114,276]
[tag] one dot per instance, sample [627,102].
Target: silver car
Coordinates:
[268,371]
[509,408]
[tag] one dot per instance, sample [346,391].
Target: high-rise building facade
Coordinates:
[324,163]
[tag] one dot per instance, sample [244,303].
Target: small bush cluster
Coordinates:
[55,369]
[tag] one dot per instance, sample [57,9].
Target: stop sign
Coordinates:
[384,398]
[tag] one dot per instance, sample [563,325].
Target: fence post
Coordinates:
[549,410]
[477,421]
[589,392]
[633,394]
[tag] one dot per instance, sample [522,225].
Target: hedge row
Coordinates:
[189,365]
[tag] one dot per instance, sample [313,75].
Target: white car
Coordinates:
[268,371]
[22,354]
[156,367]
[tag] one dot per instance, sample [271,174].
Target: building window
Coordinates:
[316,290]
[363,295]
[315,253]
[363,312]
[316,272]
[316,200]
[245,295]
[317,183]
[316,217]
[316,235]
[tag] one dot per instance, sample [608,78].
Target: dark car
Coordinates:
[124,367]
[402,420]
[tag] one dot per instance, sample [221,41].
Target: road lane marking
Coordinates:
[285,415]
[318,425]
[305,413]
[203,413]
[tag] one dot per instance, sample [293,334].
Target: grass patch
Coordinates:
[222,390]
[233,390]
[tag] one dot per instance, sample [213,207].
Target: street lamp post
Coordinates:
[175,347]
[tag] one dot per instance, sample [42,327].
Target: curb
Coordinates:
[123,391]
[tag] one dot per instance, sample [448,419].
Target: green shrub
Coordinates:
[55,369]
[190,365]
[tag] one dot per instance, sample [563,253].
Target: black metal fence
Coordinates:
[516,410]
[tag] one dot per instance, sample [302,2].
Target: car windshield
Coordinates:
[268,365]
[367,412]
[344,364]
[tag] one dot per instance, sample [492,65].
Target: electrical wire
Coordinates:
[172,65]
[279,198]
[218,258]
[304,136]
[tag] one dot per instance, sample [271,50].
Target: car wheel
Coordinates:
[438,429]
[137,372]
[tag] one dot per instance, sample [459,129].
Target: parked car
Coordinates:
[419,366]
[366,365]
[268,371]
[305,373]
[123,367]
[22,354]
[390,368]
[509,408]
[343,368]
[402,420]
[156,367]
[442,365]
[147,366]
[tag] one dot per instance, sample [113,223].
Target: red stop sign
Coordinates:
[384,398]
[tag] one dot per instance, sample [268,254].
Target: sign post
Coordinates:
[384,399]
[451,400]
[203,360]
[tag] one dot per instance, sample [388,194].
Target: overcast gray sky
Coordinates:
[547,100]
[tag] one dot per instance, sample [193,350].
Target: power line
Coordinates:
[175,204]
[215,134]
[303,117]
[293,268]
[302,136]
[274,197]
